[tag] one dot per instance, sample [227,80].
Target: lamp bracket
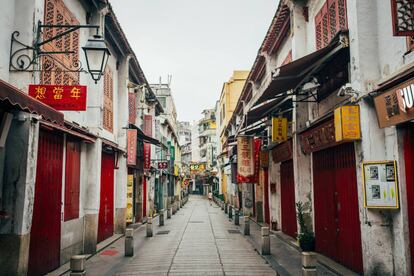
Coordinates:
[24,57]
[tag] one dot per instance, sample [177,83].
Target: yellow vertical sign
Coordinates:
[279,129]
[347,123]
[130,189]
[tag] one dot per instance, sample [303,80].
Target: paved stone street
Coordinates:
[196,241]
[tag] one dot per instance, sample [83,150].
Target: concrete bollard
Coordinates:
[222,205]
[169,212]
[178,205]
[246,228]
[230,212]
[161,218]
[309,261]
[129,242]
[174,208]
[77,265]
[265,241]
[236,217]
[149,227]
[226,210]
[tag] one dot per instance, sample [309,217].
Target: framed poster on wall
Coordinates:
[380,183]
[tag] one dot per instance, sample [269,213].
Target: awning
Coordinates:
[266,109]
[12,97]
[71,131]
[113,145]
[292,75]
[141,135]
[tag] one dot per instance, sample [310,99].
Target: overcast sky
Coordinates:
[198,42]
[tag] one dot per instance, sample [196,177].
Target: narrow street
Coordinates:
[197,240]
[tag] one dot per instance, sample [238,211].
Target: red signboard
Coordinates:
[147,156]
[257,145]
[319,137]
[132,147]
[60,97]
[245,164]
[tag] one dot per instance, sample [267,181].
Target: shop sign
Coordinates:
[176,170]
[282,152]
[148,125]
[132,147]
[279,129]
[347,123]
[264,159]
[396,105]
[197,167]
[130,189]
[319,137]
[380,183]
[245,162]
[147,156]
[257,145]
[60,97]
[162,165]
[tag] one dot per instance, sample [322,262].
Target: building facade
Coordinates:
[318,60]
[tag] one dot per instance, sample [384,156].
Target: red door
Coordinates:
[287,195]
[409,172]
[337,225]
[266,196]
[106,206]
[44,252]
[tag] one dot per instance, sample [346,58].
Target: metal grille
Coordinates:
[233,231]
[163,232]
[403,17]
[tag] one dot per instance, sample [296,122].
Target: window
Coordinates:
[403,17]
[108,120]
[54,72]
[72,179]
[163,101]
[132,107]
[329,21]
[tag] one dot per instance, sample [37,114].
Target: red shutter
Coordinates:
[403,17]
[132,107]
[55,70]
[72,179]
[329,21]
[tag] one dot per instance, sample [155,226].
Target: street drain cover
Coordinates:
[163,232]
[233,231]
[196,221]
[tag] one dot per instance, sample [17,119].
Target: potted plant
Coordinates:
[305,237]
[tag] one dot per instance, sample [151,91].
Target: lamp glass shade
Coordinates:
[97,55]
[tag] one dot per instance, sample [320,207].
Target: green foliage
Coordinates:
[304,235]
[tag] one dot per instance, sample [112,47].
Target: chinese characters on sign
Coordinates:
[395,105]
[380,184]
[279,129]
[130,189]
[60,97]
[147,146]
[347,127]
[319,137]
[245,163]
[132,147]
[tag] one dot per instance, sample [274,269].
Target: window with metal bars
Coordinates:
[330,19]
[54,72]
[108,120]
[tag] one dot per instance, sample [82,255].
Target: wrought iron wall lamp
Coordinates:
[24,58]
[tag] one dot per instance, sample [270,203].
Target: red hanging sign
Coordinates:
[60,97]
[163,165]
[132,147]
[245,164]
[147,156]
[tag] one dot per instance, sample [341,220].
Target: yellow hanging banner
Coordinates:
[347,123]
[279,129]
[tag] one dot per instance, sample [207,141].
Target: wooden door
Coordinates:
[337,225]
[287,194]
[409,172]
[44,252]
[106,206]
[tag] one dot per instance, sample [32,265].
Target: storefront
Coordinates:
[335,192]
[394,104]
